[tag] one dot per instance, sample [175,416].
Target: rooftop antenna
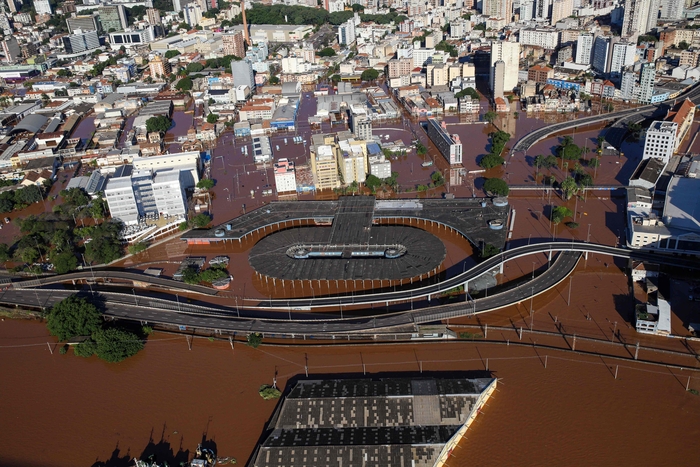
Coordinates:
[245,24]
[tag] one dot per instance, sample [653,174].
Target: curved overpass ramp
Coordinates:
[221,319]
[644,112]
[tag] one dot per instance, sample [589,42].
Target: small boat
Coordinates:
[222,284]
[427,164]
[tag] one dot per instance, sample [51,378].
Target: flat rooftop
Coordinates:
[469,216]
[385,422]
[424,252]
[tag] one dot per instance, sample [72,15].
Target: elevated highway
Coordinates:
[631,115]
[152,310]
[386,297]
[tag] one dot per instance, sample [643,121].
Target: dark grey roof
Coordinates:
[31,123]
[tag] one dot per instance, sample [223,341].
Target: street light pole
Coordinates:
[135,298]
[178,303]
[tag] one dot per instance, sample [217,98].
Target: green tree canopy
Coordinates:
[201,220]
[471,92]
[490,161]
[158,124]
[73,316]
[206,184]
[194,67]
[115,344]
[326,52]
[490,116]
[64,262]
[105,245]
[171,53]
[559,213]
[212,118]
[185,84]
[370,74]
[496,186]
[569,187]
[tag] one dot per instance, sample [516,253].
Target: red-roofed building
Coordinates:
[539,74]
[682,114]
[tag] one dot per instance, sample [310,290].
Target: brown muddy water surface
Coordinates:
[61,410]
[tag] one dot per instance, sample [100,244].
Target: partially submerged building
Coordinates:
[411,422]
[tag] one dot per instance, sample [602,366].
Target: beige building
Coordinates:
[324,162]
[561,9]
[233,44]
[436,75]
[159,68]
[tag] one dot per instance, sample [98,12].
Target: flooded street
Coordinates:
[78,412]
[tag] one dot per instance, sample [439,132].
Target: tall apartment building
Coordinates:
[360,125]
[584,48]
[509,53]
[234,44]
[324,154]
[543,9]
[629,88]
[242,71]
[112,17]
[499,70]
[672,9]
[561,9]
[498,9]
[153,17]
[352,162]
[83,23]
[660,141]
[42,7]
[436,75]
[346,32]
[527,10]
[640,17]
[169,192]
[159,68]
[12,6]
[193,14]
[285,176]
[623,54]
[647,79]
[449,146]
[178,4]
[397,67]
[602,53]
[545,38]
[80,41]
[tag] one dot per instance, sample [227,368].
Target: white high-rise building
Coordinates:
[660,141]
[42,7]
[647,79]
[584,48]
[193,14]
[672,9]
[346,32]
[640,17]
[509,53]
[628,85]
[527,10]
[623,54]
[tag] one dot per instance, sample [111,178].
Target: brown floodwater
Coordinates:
[61,410]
